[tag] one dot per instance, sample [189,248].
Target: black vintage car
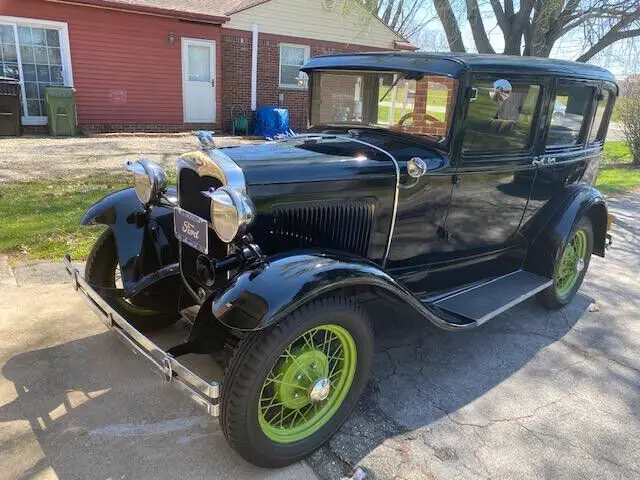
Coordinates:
[454,185]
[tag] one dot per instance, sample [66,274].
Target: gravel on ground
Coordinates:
[31,157]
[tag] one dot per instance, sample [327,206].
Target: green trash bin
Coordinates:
[61,110]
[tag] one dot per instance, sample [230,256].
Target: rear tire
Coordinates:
[570,268]
[101,268]
[276,405]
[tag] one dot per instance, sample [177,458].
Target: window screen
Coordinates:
[497,123]
[40,55]
[292,57]
[570,106]
[597,121]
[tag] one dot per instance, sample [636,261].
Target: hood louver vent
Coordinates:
[341,226]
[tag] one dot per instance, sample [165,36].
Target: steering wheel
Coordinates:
[427,117]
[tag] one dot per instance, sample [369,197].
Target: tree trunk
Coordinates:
[477,28]
[450,25]
[396,17]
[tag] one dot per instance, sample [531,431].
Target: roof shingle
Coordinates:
[204,8]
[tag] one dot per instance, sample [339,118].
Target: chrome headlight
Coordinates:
[231,213]
[149,180]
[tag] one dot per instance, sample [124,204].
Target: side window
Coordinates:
[594,135]
[570,107]
[500,120]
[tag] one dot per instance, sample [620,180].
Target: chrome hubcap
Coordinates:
[320,390]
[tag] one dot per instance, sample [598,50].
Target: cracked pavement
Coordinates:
[530,394]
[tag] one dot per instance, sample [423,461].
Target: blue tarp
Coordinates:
[272,122]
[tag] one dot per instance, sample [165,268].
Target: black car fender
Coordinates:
[144,237]
[265,295]
[579,201]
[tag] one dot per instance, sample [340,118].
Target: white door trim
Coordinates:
[204,42]
[65,52]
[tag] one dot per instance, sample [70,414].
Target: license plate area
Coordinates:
[191,230]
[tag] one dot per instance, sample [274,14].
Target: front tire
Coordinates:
[102,271]
[288,388]
[570,268]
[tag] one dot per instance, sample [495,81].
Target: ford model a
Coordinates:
[456,185]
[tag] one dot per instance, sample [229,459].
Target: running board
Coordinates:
[487,300]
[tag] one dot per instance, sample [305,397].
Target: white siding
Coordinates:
[345,23]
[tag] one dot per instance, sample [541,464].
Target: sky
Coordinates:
[619,58]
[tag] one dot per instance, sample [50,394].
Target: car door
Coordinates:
[494,175]
[570,145]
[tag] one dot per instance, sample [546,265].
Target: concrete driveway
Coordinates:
[532,394]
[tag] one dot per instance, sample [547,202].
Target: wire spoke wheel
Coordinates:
[572,263]
[307,384]
[103,270]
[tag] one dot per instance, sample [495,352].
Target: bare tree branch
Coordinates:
[610,38]
[477,28]
[450,25]
[396,17]
[500,15]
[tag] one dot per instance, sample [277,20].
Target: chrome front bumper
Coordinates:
[205,394]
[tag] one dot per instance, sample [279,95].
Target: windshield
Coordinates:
[421,105]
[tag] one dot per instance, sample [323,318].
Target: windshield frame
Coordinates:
[452,102]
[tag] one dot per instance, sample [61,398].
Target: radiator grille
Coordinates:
[342,226]
[191,199]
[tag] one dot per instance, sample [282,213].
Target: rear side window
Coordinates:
[570,106]
[500,121]
[599,116]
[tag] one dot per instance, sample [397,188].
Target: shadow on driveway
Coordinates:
[94,407]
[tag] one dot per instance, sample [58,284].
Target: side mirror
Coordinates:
[501,90]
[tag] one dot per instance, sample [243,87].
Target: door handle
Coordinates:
[213,82]
[543,161]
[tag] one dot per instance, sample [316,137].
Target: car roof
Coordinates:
[456,64]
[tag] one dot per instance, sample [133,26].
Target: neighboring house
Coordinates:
[176,64]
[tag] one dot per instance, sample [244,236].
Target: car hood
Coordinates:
[306,159]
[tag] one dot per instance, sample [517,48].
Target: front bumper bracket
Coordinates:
[205,394]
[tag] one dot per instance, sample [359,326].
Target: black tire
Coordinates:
[101,271]
[550,298]
[254,358]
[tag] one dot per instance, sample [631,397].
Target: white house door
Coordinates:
[199,80]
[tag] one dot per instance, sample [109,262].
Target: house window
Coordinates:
[292,57]
[36,53]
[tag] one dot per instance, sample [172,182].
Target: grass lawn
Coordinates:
[616,174]
[615,152]
[618,180]
[383,114]
[40,220]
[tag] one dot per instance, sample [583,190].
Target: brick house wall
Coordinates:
[236,73]
[126,74]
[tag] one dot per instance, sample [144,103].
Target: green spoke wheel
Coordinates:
[289,387]
[572,263]
[570,266]
[307,384]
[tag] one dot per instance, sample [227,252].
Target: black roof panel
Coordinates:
[455,64]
